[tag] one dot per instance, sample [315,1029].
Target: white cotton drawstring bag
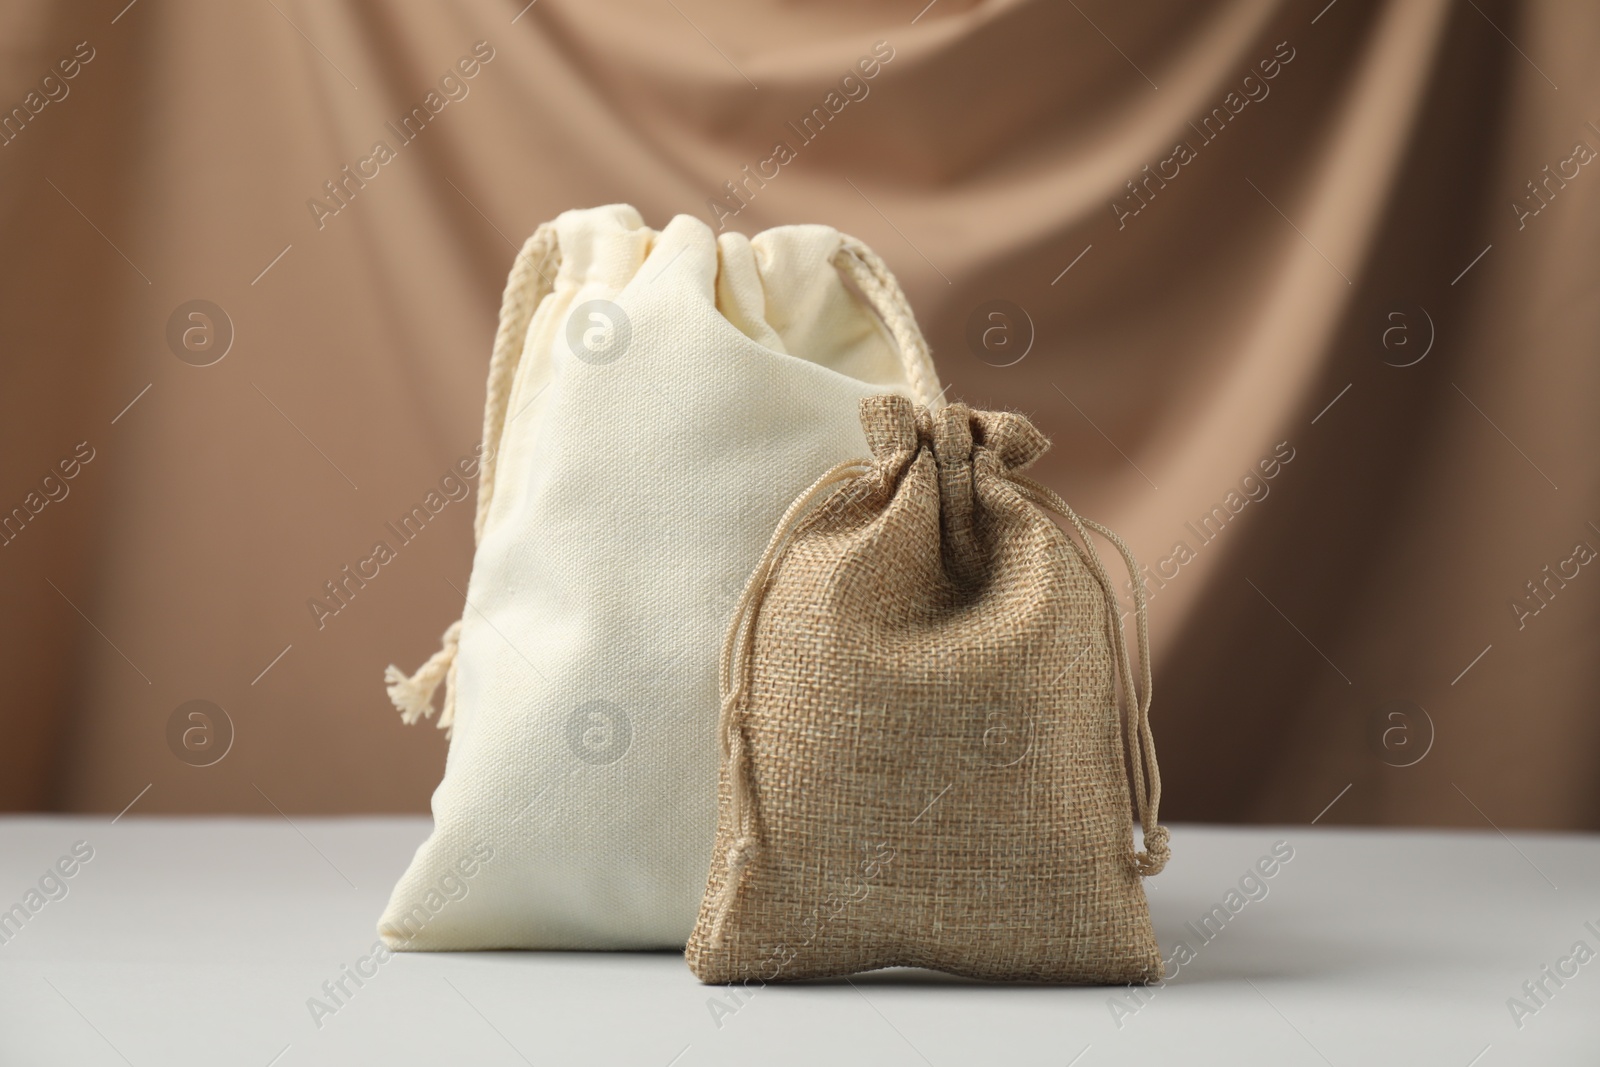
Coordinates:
[655,401]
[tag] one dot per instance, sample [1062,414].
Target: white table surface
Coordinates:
[199,941]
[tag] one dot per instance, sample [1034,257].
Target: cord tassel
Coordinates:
[413,696]
[529,283]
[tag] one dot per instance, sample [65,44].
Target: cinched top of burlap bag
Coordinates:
[923,752]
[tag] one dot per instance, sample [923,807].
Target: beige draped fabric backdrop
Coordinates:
[1305,296]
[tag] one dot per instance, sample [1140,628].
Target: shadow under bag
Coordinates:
[922,749]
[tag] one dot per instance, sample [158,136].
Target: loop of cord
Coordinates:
[872,276]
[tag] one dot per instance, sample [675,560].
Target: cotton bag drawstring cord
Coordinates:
[413,696]
[527,285]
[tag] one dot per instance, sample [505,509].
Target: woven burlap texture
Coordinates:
[925,716]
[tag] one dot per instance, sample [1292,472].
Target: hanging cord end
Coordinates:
[738,859]
[733,670]
[413,696]
[407,694]
[1157,851]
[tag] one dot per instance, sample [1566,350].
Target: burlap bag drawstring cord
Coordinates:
[732,676]
[1140,742]
[734,671]
[529,283]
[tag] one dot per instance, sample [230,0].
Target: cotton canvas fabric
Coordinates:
[923,760]
[655,402]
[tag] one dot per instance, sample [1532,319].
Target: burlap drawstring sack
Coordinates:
[922,748]
[655,400]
